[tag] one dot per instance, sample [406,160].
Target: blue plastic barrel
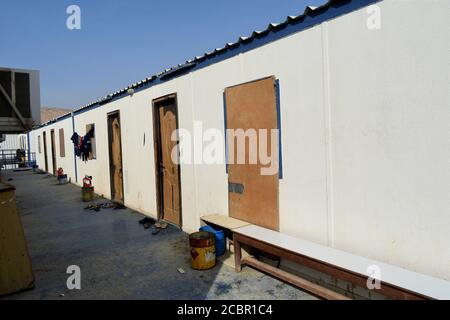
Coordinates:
[220,238]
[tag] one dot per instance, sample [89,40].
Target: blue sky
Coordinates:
[121,42]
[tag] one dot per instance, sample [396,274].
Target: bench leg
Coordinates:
[237,254]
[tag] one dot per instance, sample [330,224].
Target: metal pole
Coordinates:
[74,154]
[28,148]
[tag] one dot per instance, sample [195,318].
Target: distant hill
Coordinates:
[48,114]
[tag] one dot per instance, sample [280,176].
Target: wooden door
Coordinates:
[44,137]
[252,197]
[168,170]
[115,158]
[52,142]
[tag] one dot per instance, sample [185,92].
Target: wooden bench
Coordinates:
[396,283]
[225,222]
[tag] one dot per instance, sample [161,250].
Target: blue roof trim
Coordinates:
[65,116]
[293,24]
[178,70]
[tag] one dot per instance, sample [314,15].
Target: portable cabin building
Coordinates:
[19,100]
[359,92]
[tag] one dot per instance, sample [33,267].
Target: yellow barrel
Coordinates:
[87,193]
[203,250]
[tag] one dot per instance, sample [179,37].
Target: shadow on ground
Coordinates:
[119,259]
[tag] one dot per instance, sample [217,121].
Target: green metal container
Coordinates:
[87,193]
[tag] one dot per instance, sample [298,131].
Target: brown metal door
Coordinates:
[166,112]
[52,138]
[252,197]
[44,137]
[115,157]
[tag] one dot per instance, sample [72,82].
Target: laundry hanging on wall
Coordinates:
[83,145]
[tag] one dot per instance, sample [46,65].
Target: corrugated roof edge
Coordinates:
[301,22]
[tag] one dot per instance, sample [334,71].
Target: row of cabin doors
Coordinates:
[250,105]
[115,155]
[167,171]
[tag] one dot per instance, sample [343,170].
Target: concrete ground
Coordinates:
[119,259]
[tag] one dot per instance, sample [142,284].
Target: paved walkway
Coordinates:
[118,258]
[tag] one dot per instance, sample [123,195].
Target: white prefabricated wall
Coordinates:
[11,142]
[18,141]
[67,162]
[365,135]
